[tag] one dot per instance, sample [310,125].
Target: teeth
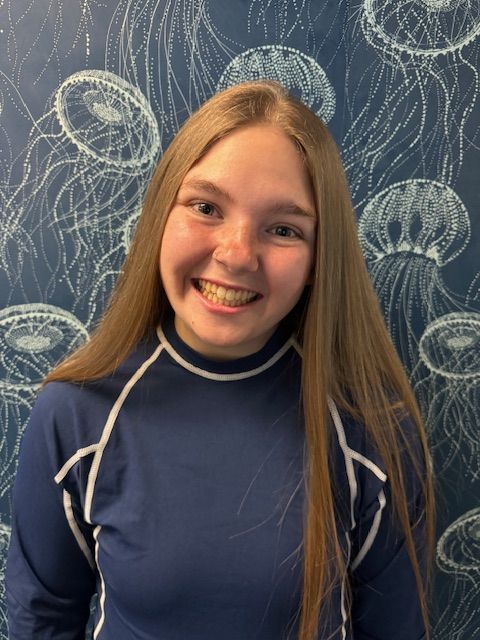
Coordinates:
[221,295]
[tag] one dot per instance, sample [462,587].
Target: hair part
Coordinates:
[347,353]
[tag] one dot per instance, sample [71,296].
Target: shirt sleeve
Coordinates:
[385,601]
[49,578]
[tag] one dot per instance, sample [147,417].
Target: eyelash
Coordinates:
[291,231]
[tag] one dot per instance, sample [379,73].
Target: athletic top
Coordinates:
[175,489]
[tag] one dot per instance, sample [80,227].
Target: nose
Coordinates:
[237,250]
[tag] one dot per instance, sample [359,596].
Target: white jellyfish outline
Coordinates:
[450,346]
[5,533]
[458,555]
[430,217]
[32,338]
[453,553]
[447,389]
[390,23]
[411,98]
[120,115]
[78,186]
[129,229]
[292,68]
[15,406]
[408,232]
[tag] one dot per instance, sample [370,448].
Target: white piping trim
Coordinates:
[82,543]
[85,451]
[297,348]
[101,595]
[342,606]
[342,440]
[108,428]
[372,534]
[221,377]
[369,464]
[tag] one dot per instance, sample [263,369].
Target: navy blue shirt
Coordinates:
[175,489]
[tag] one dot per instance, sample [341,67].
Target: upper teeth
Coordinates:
[226,294]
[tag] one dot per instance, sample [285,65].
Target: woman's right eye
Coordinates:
[204,208]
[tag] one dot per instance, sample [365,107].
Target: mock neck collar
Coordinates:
[274,349]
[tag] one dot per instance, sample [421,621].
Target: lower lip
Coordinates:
[220,308]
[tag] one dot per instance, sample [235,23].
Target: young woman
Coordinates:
[236,452]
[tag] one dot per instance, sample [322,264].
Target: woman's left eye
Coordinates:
[285,232]
[204,208]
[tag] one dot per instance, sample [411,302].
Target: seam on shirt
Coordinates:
[221,377]
[342,604]
[372,534]
[108,428]
[101,595]
[297,347]
[72,523]
[81,453]
[369,464]
[347,454]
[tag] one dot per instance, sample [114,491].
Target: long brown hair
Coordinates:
[347,353]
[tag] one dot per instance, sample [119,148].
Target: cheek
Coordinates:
[182,249]
[292,273]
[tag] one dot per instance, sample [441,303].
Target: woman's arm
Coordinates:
[385,601]
[49,578]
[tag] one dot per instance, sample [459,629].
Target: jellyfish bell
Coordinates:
[419,28]
[299,73]
[420,217]
[458,549]
[33,338]
[440,5]
[108,119]
[450,347]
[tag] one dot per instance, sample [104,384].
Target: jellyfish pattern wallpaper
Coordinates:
[92,92]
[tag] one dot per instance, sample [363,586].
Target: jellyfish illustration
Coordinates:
[418,60]
[173,51]
[129,229]
[473,294]
[86,168]
[301,74]
[107,119]
[180,52]
[61,32]
[421,28]
[33,338]
[5,531]
[449,391]
[409,231]
[15,407]
[458,554]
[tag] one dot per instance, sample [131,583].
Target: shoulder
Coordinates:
[73,415]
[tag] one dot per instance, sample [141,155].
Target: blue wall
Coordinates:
[91,93]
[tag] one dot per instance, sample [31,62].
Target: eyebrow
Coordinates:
[285,206]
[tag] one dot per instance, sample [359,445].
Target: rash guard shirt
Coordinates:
[175,489]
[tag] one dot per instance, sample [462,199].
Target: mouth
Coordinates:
[224,296]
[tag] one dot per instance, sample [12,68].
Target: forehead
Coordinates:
[261,156]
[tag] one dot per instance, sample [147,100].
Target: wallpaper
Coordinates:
[91,94]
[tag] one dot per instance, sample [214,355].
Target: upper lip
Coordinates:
[235,287]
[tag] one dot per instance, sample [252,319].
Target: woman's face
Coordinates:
[238,245]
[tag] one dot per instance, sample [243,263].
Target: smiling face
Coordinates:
[238,245]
